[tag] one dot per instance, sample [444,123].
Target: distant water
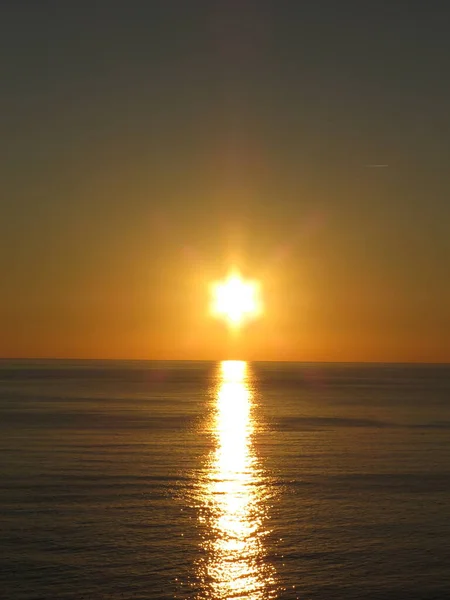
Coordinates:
[161,480]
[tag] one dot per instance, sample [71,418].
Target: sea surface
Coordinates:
[176,480]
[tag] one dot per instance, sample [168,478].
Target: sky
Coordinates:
[149,146]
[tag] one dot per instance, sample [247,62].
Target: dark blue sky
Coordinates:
[145,145]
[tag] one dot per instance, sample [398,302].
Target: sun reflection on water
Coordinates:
[234,496]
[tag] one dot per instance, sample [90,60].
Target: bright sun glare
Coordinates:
[236,300]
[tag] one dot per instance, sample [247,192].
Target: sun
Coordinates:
[236,300]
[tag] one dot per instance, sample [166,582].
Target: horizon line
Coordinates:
[218,360]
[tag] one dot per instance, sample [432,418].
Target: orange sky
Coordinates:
[317,306]
[145,154]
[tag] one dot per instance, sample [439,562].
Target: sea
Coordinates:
[160,480]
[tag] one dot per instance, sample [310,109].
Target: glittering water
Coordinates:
[233,497]
[163,480]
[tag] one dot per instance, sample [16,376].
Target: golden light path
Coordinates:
[235,497]
[236,300]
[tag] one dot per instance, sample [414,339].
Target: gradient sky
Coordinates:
[146,146]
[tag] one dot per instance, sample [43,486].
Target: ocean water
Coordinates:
[158,480]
